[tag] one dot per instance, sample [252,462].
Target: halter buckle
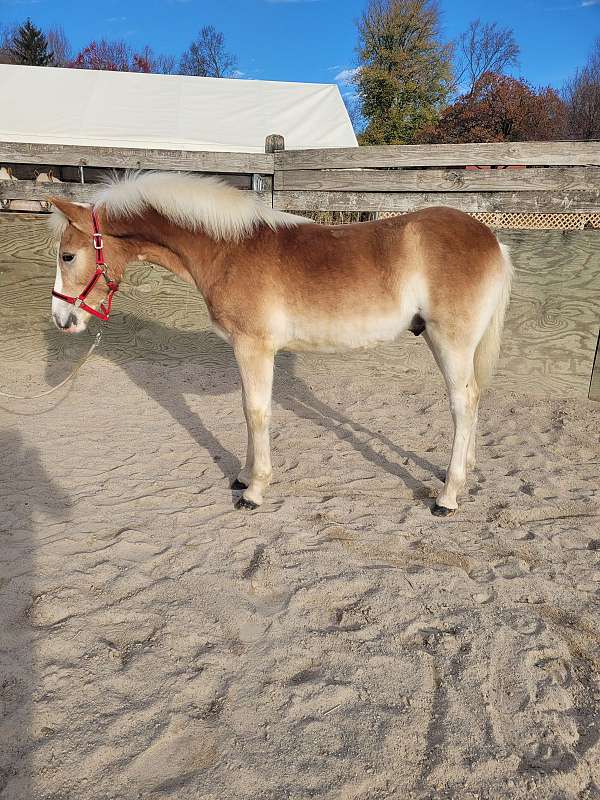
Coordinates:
[98,244]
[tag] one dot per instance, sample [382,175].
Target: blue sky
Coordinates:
[314,40]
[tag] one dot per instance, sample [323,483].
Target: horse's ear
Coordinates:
[77,214]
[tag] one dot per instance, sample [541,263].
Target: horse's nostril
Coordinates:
[71,321]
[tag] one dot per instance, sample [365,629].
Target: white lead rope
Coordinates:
[72,374]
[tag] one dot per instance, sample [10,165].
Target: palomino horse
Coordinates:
[276,281]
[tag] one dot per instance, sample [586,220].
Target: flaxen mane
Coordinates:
[193,202]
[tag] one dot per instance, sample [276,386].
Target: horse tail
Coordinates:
[488,349]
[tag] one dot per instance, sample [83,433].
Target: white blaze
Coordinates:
[60,309]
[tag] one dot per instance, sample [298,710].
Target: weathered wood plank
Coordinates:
[134,158]
[549,342]
[565,179]
[77,192]
[542,202]
[595,382]
[29,172]
[552,321]
[25,238]
[544,154]
[30,190]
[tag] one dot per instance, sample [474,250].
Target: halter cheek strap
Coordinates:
[101,272]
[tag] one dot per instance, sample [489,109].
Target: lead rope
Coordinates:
[95,344]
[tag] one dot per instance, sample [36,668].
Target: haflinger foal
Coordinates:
[275,281]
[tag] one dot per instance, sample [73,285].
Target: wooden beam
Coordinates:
[565,179]
[444,155]
[134,158]
[31,190]
[77,192]
[541,202]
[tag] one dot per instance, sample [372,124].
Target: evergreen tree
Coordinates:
[405,73]
[30,46]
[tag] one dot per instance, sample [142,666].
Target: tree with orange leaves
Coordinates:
[500,109]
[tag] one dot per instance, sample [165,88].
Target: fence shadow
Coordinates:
[218,375]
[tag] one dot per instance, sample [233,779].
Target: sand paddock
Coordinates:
[339,643]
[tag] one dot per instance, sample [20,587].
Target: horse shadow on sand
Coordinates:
[151,353]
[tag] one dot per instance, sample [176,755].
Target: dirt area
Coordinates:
[339,643]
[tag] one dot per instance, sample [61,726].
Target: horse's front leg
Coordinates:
[255,360]
[243,479]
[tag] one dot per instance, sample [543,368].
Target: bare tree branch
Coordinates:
[60,46]
[582,96]
[207,57]
[484,47]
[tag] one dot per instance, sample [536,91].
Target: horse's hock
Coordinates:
[547,213]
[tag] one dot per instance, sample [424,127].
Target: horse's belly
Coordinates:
[333,335]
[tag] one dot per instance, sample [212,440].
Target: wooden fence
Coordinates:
[559,177]
[80,168]
[553,325]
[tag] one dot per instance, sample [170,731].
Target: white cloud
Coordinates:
[346,75]
[585,3]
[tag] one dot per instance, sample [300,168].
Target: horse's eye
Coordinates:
[68,256]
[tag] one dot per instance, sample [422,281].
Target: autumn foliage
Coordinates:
[117,56]
[500,109]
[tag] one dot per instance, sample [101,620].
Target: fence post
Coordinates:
[274,143]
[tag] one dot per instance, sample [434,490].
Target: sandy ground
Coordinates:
[339,643]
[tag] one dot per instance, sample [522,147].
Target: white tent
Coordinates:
[123,109]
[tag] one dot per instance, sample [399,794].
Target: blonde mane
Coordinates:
[193,202]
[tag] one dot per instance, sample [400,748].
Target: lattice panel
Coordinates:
[529,220]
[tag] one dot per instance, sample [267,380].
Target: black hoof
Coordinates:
[238,486]
[243,504]
[442,511]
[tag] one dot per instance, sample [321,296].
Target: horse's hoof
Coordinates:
[238,486]
[442,511]
[243,504]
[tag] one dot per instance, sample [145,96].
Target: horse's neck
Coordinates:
[191,255]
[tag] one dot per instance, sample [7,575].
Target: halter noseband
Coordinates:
[101,271]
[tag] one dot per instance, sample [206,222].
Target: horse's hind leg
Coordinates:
[471,450]
[456,364]
[255,361]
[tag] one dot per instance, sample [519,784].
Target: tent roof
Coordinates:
[124,109]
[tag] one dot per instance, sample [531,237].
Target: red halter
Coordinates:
[101,271]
